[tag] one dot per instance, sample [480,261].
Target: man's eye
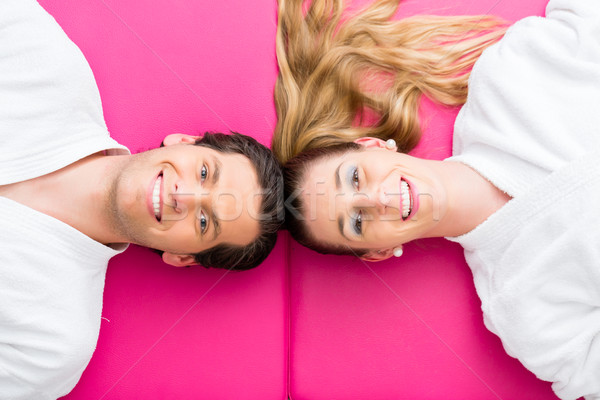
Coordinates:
[203,223]
[358,223]
[355,178]
[203,173]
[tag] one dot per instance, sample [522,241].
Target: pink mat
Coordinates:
[301,325]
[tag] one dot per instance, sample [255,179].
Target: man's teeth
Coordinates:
[156,197]
[406,199]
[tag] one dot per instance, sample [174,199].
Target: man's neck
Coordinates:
[76,195]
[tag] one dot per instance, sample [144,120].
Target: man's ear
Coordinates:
[177,138]
[378,255]
[371,142]
[178,260]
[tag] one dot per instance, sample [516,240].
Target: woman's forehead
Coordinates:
[322,171]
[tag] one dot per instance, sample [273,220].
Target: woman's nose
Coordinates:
[376,199]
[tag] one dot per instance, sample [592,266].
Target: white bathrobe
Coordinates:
[51,275]
[531,126]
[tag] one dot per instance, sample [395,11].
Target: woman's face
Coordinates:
[374,199]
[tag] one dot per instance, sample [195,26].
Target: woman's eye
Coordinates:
[203,223]
[203,173]
[358,223]
[355,178]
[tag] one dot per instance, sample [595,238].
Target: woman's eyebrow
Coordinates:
[340,222]
[338,185]
[338,180]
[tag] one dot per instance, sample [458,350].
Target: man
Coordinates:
[71,198]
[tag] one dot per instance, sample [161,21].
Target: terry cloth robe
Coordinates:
[51,275]
[531,126]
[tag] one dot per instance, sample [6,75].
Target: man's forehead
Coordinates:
[238,189]
[238,168]
[240,223]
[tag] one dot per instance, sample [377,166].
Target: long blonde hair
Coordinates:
[341,79]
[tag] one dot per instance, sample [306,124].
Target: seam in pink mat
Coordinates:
[288,297]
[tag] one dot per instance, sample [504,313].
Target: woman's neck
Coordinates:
[471,199]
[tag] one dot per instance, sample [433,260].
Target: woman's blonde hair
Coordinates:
[341,79]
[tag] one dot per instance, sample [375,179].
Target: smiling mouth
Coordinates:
[156,202]
[407,206]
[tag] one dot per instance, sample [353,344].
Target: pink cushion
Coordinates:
[167,66]
[312,326]
[408,328]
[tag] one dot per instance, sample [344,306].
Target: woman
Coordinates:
[520,194]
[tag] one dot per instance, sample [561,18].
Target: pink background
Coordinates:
[301,325]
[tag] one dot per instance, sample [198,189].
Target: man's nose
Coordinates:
[188,197]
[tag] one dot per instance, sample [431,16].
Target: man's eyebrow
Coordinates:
[340,222]
[217,171]
[216,225]
[338,180]
[215,179]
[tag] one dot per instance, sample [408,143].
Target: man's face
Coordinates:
[184,199]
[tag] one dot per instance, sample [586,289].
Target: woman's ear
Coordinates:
[178,260]
[177,138]
[378,255]
[371,142]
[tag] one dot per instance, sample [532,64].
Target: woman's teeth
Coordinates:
[156,197]
[406,199]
